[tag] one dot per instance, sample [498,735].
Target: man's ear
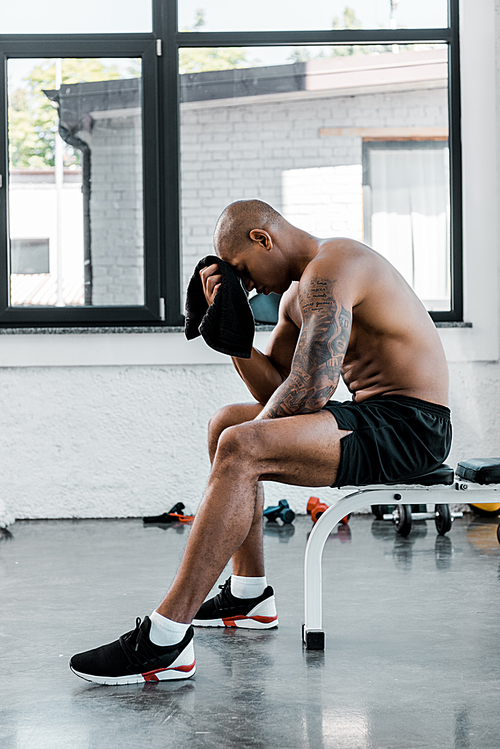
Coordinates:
[262,238]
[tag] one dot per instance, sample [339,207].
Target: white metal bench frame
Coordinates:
[313,635]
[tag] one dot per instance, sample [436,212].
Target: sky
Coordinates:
[99,16]
[59,16]
[261,15]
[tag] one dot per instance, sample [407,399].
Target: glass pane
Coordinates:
[407,213]
[75,182]
[272,15]
[298,136]
[60,17]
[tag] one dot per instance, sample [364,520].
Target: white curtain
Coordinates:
[410,217]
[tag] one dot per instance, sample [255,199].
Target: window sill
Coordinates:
[155,329]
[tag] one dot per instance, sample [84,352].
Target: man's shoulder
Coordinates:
[338,262]
[338,254]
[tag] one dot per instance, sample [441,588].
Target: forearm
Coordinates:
[259,374]
[299,394]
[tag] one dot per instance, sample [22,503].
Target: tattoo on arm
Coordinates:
[319,355]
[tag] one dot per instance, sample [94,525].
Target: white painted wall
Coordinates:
[102,426]
[131,441]
[112,441]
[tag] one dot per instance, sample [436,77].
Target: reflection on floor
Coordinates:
[412,642]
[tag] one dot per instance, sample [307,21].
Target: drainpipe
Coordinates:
[81,145]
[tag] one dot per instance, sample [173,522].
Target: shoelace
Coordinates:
[131,642]
[135,635]
[138,630]
[225,597]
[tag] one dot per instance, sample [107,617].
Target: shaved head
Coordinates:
[235,223]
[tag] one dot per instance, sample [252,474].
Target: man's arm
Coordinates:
[317,363]
[263,373]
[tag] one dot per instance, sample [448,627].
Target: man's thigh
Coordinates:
[303,450]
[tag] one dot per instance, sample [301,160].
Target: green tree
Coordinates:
[200,59]
[33,118]
[349,21]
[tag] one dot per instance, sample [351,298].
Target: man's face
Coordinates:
[260,269]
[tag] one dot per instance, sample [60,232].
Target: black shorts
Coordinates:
[393,438]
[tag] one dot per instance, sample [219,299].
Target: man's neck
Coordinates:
[303,248]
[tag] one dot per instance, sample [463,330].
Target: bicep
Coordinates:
[326,329]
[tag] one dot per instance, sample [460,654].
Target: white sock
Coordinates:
[164,631]
[248,587]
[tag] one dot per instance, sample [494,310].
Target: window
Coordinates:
[407,212]
[123,148]
[29,256]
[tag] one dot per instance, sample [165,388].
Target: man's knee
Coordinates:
[243,444]
[227,416]
[223,418]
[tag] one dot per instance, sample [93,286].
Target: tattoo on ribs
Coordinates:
[319,355]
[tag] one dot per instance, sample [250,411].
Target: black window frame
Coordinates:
[161,152]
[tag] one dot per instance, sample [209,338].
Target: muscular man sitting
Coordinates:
[345,312]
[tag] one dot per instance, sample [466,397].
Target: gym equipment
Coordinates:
[175,515]
[439,485]
[265,308]
[481,472]
[486,511]
[403,516]
[282,511]
[315,508]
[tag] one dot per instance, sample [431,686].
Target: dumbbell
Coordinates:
[315,508]
[282,510]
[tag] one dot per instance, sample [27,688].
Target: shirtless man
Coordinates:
[345,312]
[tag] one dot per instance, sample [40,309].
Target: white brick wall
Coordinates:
[271,150]
[117,212]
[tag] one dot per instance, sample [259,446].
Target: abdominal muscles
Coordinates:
[396,366]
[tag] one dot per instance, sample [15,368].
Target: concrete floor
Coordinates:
[412,642]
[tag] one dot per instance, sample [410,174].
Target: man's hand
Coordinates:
[211,280]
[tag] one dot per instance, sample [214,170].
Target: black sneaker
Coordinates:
[225,610]
[134,659]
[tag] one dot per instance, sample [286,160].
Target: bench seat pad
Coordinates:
[443,474]
[480,470]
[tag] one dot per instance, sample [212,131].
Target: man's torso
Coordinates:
[394,346]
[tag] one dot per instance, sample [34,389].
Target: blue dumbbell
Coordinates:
[282,510]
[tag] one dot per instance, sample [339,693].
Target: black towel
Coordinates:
[227,325]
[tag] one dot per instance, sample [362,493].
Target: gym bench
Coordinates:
[438,487]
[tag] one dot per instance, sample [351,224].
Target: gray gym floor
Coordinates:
[412,642]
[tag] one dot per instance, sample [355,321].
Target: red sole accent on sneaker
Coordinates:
[264,619]
[151,675]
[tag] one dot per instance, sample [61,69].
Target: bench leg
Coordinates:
[313,636]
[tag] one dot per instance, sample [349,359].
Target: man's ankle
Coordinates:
[248,587]
[164,631]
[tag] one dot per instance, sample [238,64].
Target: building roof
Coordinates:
[331,76]
[328,77]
